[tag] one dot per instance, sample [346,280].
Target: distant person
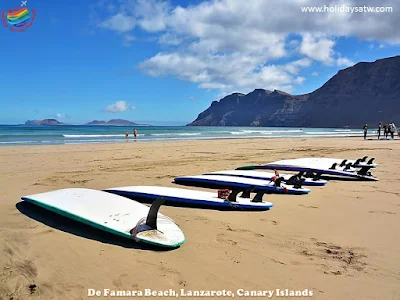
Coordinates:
[126,135]
[365,131]
[386,130]
[135,133]
[392,130]
[379,130]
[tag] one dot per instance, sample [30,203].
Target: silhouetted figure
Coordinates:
[392,129]
[379,130]
[135,133]
[386,130]
[365,131]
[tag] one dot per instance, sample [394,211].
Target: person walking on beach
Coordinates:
[385,128]
[135,133]
[365,131]
[392,130]
[379,130]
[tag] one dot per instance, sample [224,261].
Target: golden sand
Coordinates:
[341,241]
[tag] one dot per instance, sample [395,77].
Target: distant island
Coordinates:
[368,92]
[43,122]
[113,122]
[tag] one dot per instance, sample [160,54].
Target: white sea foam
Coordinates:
[332,132]
[96,135]
[177,134]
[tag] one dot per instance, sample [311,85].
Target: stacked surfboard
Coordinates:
[316,167]
[119,211]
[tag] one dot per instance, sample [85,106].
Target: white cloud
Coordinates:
[119,23]
[225,71]
[318,48]
[344,62]
[236,44]
[128,39]
[314,73]
[61,116]
[118,106]
[169,39]
[152,15]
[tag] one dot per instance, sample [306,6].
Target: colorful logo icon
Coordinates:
[18,19]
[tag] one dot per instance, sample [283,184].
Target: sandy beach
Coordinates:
[341,241]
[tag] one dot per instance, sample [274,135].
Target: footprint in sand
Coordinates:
[310,206]
[221,238]
[120,280]
[272,221]
[278,261]
[170,275]
[382,212]
[237,229]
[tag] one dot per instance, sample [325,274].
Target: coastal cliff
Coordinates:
[364,93]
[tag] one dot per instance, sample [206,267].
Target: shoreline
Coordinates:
[141,140]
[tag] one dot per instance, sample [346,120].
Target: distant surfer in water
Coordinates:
[135,133]
[379,130]
[365,131]
[126,135]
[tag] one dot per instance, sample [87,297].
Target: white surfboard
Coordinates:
[112,213]
[341,162]
[311,166]
[268,176]
[231,182]
[326,163]
[192,197]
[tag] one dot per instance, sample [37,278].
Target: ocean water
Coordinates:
[67,134]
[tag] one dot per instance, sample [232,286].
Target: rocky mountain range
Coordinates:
[364,93]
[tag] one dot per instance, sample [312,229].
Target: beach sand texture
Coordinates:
[341,241]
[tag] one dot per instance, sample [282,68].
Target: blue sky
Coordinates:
[165,62]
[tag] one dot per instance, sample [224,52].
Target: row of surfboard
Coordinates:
[120,211]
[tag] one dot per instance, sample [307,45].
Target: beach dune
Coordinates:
[340,242]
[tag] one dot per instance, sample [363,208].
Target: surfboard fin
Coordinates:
[348,166]
[296,181]
[333,167]
[246,192]
[232,196]
[151,220]
[364,171]
[317,177]
[358,161]
[371,161]
[364,158]
[343,162]
[258,197]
